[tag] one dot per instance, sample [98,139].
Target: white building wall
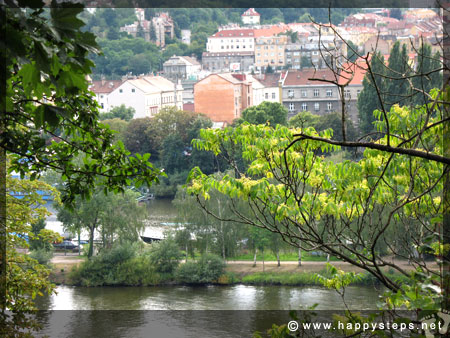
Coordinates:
[230,44]
[124,95]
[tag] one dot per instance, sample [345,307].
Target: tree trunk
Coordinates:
[79,244]
[263,259]
[446,211]
[278,257]
[254,259]
[3,229]
[328,258]
[91,239]
[186,252]
[299,257]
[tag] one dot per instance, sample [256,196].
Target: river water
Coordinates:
[183,311]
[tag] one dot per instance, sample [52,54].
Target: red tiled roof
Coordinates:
[235,33]
[250,12]
[271,31]
[270,79]
[104,86]
[302,77]
[352,73]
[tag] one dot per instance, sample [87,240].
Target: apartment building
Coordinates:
[270,50]
[223,97]
[301,93]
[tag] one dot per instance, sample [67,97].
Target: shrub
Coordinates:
[43,256]
[165,256]
[122,265]
[207,269]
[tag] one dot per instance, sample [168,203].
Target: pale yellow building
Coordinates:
[269,50]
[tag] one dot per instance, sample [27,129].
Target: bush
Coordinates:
[122,265]
[43,256]
[207,269]
[165,256]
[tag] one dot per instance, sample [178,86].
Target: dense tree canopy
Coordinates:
[267,112]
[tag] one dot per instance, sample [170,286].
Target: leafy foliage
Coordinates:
[267,112]
[207,269]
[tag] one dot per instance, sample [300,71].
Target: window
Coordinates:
[290,93]
[291,106]
[266,96]
[329,92]
[304,93]
[316,92]
[316,106]
[120,91]
[102,105]
[133,90]
[347,93]
[273,95]
[101,96]
[304,106]
[329,106]
[358,92]
[315,53]
[258,54]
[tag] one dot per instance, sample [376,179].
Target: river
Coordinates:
[183,311]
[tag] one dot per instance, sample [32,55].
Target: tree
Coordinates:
[346,209]
[25,278]
[266,112]
[118,217]
[352,51]
[165,255]
[397,85]
[117,125]
[372,95]
[305,62]
[269,69]
[49,118]
[122,112]
[136,139]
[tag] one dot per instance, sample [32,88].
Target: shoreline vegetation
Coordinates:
[67,272]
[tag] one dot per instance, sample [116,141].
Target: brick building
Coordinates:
[223,97]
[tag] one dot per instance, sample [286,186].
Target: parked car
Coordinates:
[66,245]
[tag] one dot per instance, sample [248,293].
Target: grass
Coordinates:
[288,256]
[307,278]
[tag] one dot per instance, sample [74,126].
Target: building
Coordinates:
[181,67]
[140,28]
[250,17]
[352,76]
[223,97]
[186,36]
[301,93]
[231,40]
[266,87]
[162,24]
[218,62]
[318,53]
[269,50]
[102,89]
[380,44]
[147,95]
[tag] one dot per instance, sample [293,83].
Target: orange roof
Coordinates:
[302,77]
[352,73]
[104,86]
[271,31]
[250,12]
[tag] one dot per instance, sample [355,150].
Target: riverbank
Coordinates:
[288,273]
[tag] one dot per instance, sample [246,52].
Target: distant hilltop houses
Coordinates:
[152,30]
[249,63]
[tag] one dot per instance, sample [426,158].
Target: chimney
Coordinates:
[103,80]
